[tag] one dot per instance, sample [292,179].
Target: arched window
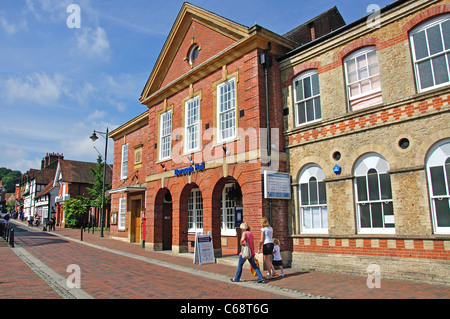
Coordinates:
[374,207]
[195,211]
[307,98]
[313,200]
[430,45]
[438,171]
[362,75]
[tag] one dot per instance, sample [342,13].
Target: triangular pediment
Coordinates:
[193,26]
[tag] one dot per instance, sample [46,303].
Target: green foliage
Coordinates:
[96,190]
[11,204]
[9,179]
[77,211]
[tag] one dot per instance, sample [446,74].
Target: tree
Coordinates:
[96,191]
[11,204]
[9,179]
[77,211]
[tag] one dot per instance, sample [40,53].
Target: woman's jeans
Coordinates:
[252,262]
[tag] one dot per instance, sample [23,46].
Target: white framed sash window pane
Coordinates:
[165,135]
[430,45]
[192,124]
[124,162]
[362,75]
[374,205]
[228,208]
[226,110]
[307,98]
[438,173]
[195,211]
[121,214]
[313,201]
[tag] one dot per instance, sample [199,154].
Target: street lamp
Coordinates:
[94,137]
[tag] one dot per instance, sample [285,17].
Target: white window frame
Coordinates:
[446,53]
[195,211]
[124,162]
[192,125]
[121,224]
[193,54]
[312,171]
[165,135]
[437,157]
[314,98]
[226,98]
[371,78]
[368,162]
[227,212]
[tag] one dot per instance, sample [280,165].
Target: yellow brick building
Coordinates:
[368,139]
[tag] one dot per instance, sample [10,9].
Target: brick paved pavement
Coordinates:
[124,270]
[18,280]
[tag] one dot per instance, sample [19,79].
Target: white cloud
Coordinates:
[82,95]
[93,43]
[10,28]
[48,10]
[97,115]
[36,88]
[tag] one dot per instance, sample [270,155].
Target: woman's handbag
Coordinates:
[246,252]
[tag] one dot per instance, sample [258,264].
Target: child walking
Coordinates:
[277,261]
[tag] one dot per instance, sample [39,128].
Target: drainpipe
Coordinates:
[266,61]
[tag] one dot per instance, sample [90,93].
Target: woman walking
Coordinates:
[267,245]
[247,238]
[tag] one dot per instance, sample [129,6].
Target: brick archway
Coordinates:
[163,216]
[225,241]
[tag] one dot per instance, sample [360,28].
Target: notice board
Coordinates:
[204,250]
[277,185]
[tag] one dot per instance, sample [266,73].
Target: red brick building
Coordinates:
[72,179]
[200,150]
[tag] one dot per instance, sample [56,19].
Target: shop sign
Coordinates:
[190,169]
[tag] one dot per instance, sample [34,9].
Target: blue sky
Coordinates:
[58,84]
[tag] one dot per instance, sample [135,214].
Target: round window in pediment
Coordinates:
[193,54]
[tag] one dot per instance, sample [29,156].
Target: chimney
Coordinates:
[51,159]
[313,31]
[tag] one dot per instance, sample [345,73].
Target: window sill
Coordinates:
[302,125]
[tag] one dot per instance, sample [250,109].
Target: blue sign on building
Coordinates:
[190,169]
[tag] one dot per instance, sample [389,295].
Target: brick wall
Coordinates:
[135,173]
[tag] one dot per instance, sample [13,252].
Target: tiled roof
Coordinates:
[46,189]
[80,172]
[45,175]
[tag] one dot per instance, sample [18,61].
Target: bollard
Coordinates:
[81,233]
[7,233]
[11,238]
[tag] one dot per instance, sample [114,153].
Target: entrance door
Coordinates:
[135,233]
[167,226]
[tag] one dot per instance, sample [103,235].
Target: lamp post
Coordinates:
[94,137]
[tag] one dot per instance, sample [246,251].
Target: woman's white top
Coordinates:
[268,233]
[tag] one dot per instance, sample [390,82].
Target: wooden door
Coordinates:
[167,226]
[136,216]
